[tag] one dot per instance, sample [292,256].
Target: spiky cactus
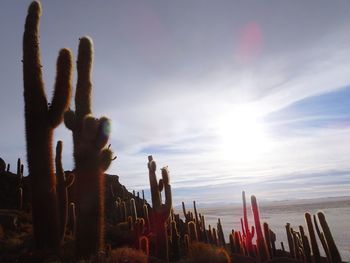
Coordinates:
[40,121]
[92,158]
[160,212]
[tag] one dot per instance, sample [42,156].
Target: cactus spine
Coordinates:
[90,136]
[40,121]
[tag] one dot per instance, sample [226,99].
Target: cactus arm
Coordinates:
[34,93]
[153,183]
[84,85]
[106,158]
[70,120]
[167,190]
[63,87]
[184,211]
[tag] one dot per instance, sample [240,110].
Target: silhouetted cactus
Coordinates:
[314,245]
[306,245]
[332,248]
[63,183]
[161,212]
[260,241]
[192,231]
[175,242]
[2,166]
[90,136]
[268,238]
[221,237]
[72,220]
[290,240]
[245,228]
[40,121]
[20,198]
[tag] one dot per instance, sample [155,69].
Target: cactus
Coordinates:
[72,219]
[239,248]
[221,237]
[192,231]
[184,211]
[245,228]
[40,122]
[290,240]
[333,251]
[90,137]
[215,237]
[260,241]
[161,212]
[314,246]
[144,244]
[146,217]
[133,211]
[175,242]
[2,166]
[20,198]
[20,169]
[268,238]
[63,183]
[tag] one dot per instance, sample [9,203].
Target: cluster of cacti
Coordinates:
[61,208]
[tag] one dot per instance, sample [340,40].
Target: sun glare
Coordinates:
[241,133]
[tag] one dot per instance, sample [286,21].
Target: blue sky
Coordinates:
[231,95]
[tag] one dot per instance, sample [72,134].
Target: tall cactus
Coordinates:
[40,121]
[332,247]
[161,212]
[90,135]
[260,241]
[246,229]
[314,245]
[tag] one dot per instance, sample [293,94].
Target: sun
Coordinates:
[242,134]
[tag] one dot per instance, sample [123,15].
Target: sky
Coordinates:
[230,95]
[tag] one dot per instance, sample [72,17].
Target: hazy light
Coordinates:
[242,134]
